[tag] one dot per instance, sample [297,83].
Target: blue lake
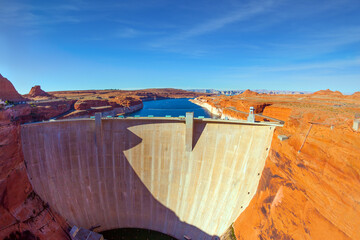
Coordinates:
[173,107]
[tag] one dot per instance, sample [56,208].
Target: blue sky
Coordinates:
[264,44]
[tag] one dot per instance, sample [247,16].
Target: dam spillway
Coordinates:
[139,172]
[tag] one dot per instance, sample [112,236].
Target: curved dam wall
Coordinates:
[121,173]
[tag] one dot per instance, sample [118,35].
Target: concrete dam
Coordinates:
[179,176]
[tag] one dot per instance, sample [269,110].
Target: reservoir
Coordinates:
[173,107]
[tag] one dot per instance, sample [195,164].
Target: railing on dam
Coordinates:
[140,172]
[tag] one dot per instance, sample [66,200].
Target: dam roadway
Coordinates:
[178,176]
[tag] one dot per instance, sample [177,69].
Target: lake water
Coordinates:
[173,107]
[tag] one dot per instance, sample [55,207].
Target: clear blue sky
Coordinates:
[227,44]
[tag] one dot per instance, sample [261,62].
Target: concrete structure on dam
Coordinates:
[178,176]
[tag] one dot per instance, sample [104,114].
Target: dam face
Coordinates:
[138,173]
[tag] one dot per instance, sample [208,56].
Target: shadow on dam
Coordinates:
[136,173]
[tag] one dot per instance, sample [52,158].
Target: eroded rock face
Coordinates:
[47,110]
[115,106]
[88,104]
[24,113]
[23,214]
[8,92]
[127,101]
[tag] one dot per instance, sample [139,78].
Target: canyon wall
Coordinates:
[23,215]
[8,92]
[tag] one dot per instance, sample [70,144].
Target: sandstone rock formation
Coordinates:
[328,92]
[248,92]
[8,92]
[88,104]
[36,91]
[23,214]
[116,106]
[127,101]
[356,95]
[46,110]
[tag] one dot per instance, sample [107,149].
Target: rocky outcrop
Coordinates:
[35,112]
[116,106]
[248,93]
[23,214]
[8,92]
[88,104]
[105,111]
[356,95]
[46,110]
[328,92]
[36,91]
[126,101]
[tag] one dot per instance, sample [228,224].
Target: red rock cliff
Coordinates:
[8,92]
[23,214]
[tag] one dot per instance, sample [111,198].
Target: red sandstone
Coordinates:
[21,210]
[88,104]
[8,92]
[36,91]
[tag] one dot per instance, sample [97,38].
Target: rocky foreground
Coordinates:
[311,194]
